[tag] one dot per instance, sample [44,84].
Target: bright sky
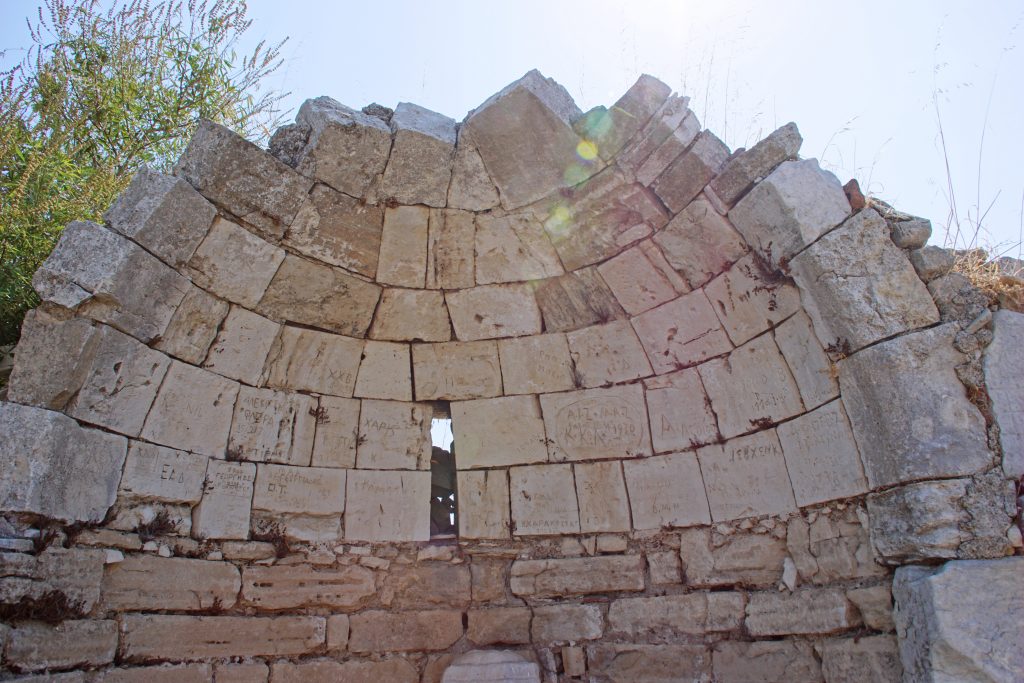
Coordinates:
[860,79]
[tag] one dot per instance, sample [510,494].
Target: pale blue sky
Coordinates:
[858,78]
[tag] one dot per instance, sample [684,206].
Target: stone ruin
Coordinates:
[711,422]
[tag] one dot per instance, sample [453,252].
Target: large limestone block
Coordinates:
[620,663]
[54,358]
[347,149]
[164,673]
[540,505]
[666,491]
[337,432]
[496,432]
[576,300]
[566,623]
[385,372]
[420,167]
[411,314]
[606,354]
[272,426]
[491,665]
[224,511]
[790,661]
[858,287]
[193,326]
[456,371]
[483,504]
[821,455]
[669,150]
[680,412]
[577,576]
[103,276]
[813,371]
[427,585]
[148,582]
[596,423]
[874,658]
[641,278]
[380,631]
[167,475]
[1004,370]
[750,298]
[214,266]
[746,477]
[451,260]
[743,170]
[791,208]
[751,388]
[177,637]
[537,364]
[602,497]
[403,247]
[526,141]
[753,560]
[665,122]
[700,243]
[310,360]
[352,671]
[237,175]
[669,615]
[909,411]
[338,229]
[291,587]
[961,621]
[513,248]
[242,345]
[75,573]
[680,333]
[807,611]
[121,384]
[54,467]
[394,435]
[491,311]
[686,176]
[163,214]
[387,506]
[499,625]
[471,188]
[611,128]
[34,646]
[320,296]
[192,411]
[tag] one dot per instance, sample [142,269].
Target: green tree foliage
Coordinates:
[102,92]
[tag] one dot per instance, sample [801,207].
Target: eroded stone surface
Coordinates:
[813,371]
[793,662]
[385,372]
[577,576]
[641,278]
[54,358]
[337,229]
[746,477]
[492,311]
[456,371]
[387,506]
[513,248]
[284,587]
[750,298]
[310,360]
[145,582]
[700,243]
[376,631]
[680,333]
[536,364]
[165,474]
[686,176]
[874,658]
[471,188]
[680,412]
[176,637]
[241,347]
[745,169]
[393,435]
[451,248]
[193,326]
[539,504]
[576,300]
[666,491]
[1004,368]
[596,423]
[810,610]
[403,247]
[411,314]
[192,411]
[821,455]
[499,431]
[299,490]
[609,353]
[419,169]
[34,646]
[224,510]
[214,266]
[337,431]
[602,497]
[483,505]
[649,663]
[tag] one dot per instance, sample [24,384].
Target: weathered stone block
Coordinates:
[807,611]
[680,412]
[681,333]
[665,616]
[686,176]
[299,490]
[743,170]
[456,371]
[499,431]
[535,365]
[394,435]
[1004,367]
[193,326]
[451,261]
[242,344]
[396,670]
[384,372]
[746,477]
[403,247]
[483,504]
[420,167]
[813,371]
[666,491]
[499,626]
[214,266]
[566,623]
[154,472]
[272,426]
[236,174]
[749,298]
[75,573]
[291,587]
[606,354]
[576,300]
[412,314]
[337,632]
[665,567]
[910,234]
[641,278]
[163,214]
[54,467]
[491,311]
[320,296]
[601,492]
[875,605]
[649,663]
[790,661]
[743,559]
[859,287]
[174,637]
[34,646]
[338,229]
[225,508]
[960,621]
[103,276]
[427,585]
[310,360]
[932,261]
[539,502]
[471,188]
[374,631]
[512,248]
[752,388]
[489,579]
[700,243]
[250,672]
[909,411]
[337,431]
[874,658]
[791,208]
[347,149]
[577,576]
[387,506]
[149,583]
[53,360]
[669,150]
[669,116]
[596,423]
[611,128]
[164,673]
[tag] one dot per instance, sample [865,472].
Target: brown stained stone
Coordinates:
[665,616]
[576,300]
[393,435]
[743,170]
[513,248]
[596,423]
[790,661]
[871,658]
[337,632]
[601,492]
[641,279]
[807,611]
[577,576]
[403,247]
[176,638]
[499,626]
[492,311]
[496,432]
[385,372]
[680,412]
[566,623]
[456,371]
[426,585]
[628,663]
[451,249]
[666,491]
[680,333]
[34,646]
[193,327]
[537,364]
[395,670]
[746,477]
[700,243]
[214,266]
[241,347]
[150,583]
[337,229]
[292,587]
[875,605]
[310,360]
[686,176]
[484,504]
[540,505]
[431,630]
[320,296]
[411,314]
[273,426]
[420,167]
[749,298]
[606,354]
[337,430]
[813,371]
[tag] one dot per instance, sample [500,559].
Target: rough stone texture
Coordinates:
[747,559]
[611,128]
[680,412]
[664,616]
[471,188]
[873,658]
[336,433]
[603,501]
[790,661]
[394,436]
[239,176]
[491,665]
[54,467]
[680,333]
[164,474]
[576,300]
[749,298]
[299,490]
[577,576]
[193,326]
[606,354]
[75,573]
[791,208]
[566,623]
[932,261]
[596,423]
[960,621]
[148,583]
[420,167]
[686,176]
[1004,368]
[252,672]
[34,646]
[670,149]
[103,276]
[912,419]
[484,504]
[214,266]
[192,411]
[536,364]
[411,314]
[700,243]
[166,673]
[395,670]
[53,358]
[624,663]
[511,248]
[911,234]
[499,431]
[499,626]
[746,477]
[385,372]
[456,371]
[403,247]
[376,631]
[743,170]
[540,505]
[811,368]
[173,637]
[347,149]
[524,137]
[320,296]
[310,360]
[858,287]
[492,311]
[670,116]
[241,347]
[641,278]
[875,605]
[807,611]
[427,585]
[387,506]
[285,587]
[666,491]
[337,229]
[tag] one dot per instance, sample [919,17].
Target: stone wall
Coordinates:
[704,404]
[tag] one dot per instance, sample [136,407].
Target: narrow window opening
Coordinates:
[443,503]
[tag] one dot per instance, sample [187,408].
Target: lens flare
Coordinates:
[586,150]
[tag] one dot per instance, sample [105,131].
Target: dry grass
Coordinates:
[986,274]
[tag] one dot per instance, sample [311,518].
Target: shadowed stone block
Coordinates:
[310,360]
[749,298]
[154,472]
[193,326]
[242,345]
[495,432]
[214,266]
[420,167]
[336,433]
[272,426]
[686,176]
[596,423]
[483,505]
[192,411]
[576,300]
[665,121]
[492,311]
[611,128]
[641,278]
[403,247]
[338,229]
[746,477]
[34,646]
[536,364]
[666,491]
[75,573]
[175,637]
[745,169]
[680,412]
[1004,370]
[577,576]
[411,314]
[669,150]
[813,371]
[539,502]
[456,371]
[394,435]
[681,332]
[700,243]
[451,261]
[874,658]
[513,248]
[601,492]
[387,506]
[604,354]
[225,508]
